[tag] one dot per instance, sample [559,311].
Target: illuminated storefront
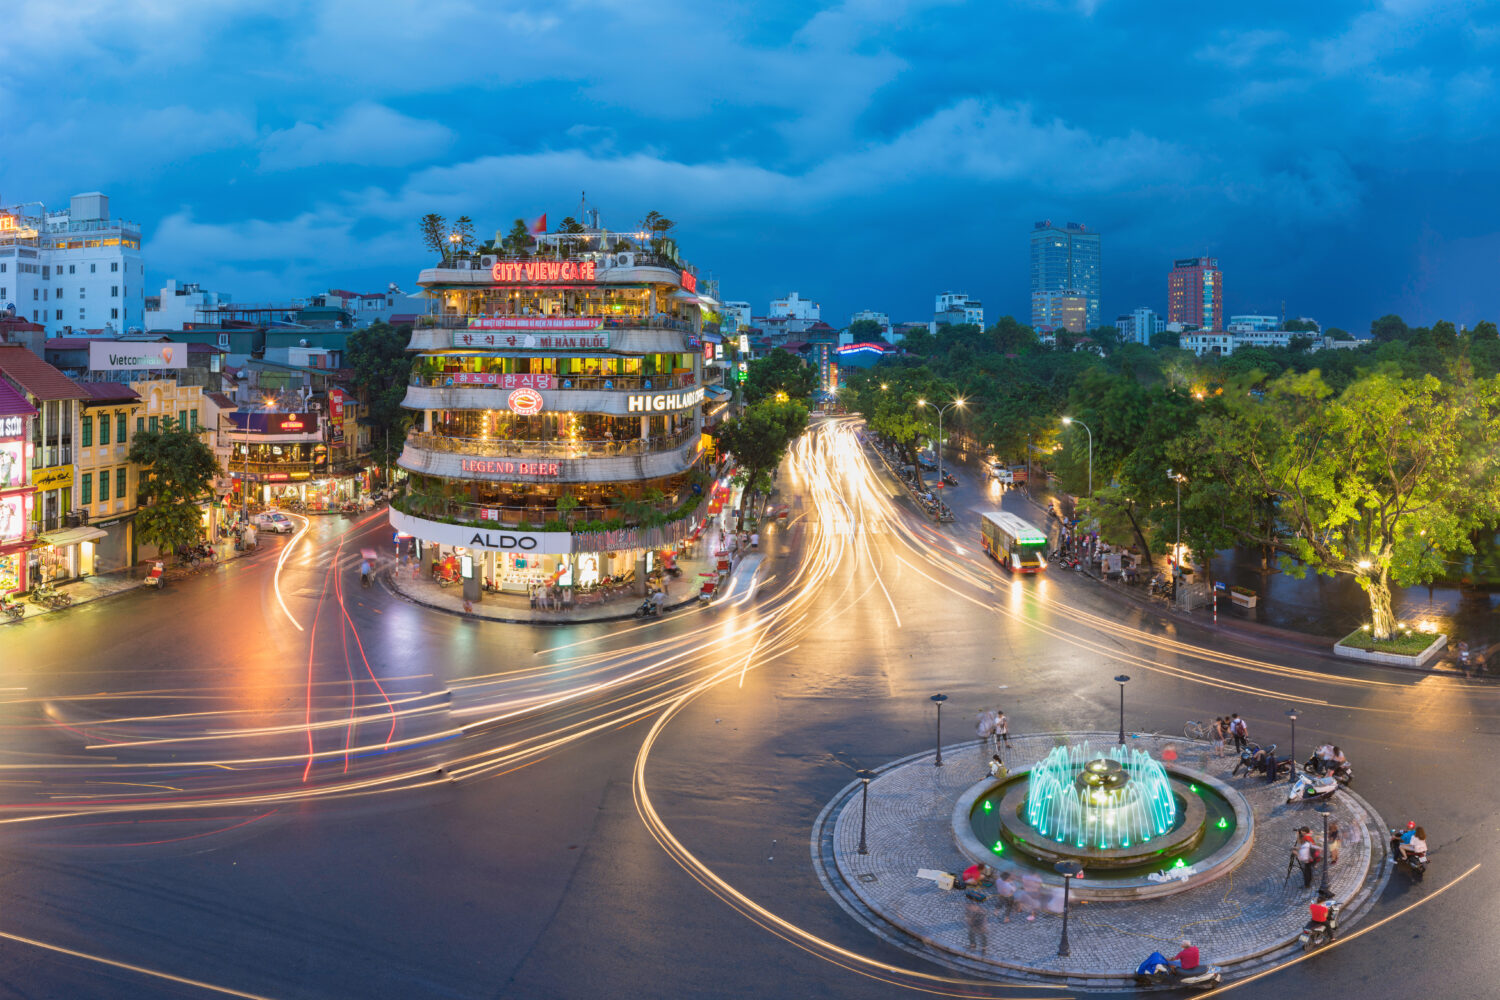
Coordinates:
[557,405]
[15,488]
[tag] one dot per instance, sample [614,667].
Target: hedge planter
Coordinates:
[1408,651]
[1245,599]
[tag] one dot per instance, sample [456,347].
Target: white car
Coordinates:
[274,520]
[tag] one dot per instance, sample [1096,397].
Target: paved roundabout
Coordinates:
[1238,902]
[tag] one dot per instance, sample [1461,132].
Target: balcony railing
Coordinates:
[660,321]
[621,383]
[543,516]
[492,447]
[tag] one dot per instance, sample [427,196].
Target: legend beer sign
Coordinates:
[646,402]
[496,467]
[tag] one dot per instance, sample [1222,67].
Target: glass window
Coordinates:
[154,425]
[182,418]
[114,314]
[193,419]
[87,496]
[103,486]
[104,428]
[114,266]
[120,428]
[114,291]
[120,483]
[87,441]
[140,425]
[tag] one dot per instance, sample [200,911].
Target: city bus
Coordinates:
[1014,543]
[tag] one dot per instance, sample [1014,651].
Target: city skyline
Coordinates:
[1294,148]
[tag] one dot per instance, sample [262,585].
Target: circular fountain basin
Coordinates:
[1164,848]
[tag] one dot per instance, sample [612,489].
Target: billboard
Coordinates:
[115,356]
[275,423]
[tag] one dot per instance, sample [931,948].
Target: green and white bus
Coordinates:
[1014,543]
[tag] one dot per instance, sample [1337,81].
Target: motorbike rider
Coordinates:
[1412,841]
[1185,962]
[364,573]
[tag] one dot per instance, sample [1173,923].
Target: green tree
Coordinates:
[382,368]
[435,234]
[759,438]
[780,371]
[1389,327]
[519,241]
[1381,482]
[1166,338]
[463,228]
[658,226]
[177,470]
[866,330]
[1300,326]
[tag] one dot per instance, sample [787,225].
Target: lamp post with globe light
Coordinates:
[959,402]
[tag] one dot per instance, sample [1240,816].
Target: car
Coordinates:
[1002,474]
[274,520]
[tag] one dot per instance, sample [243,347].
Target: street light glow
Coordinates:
[921,402]
[1067,420]
[1364,564]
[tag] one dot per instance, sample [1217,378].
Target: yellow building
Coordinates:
[106,483]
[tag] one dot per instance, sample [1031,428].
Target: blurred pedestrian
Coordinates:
[974,917]
[1334,837]
[1002,727]
[984,728]
[1220,730]
[1005,895]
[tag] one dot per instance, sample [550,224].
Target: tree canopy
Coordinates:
[177,470]
[382,367]
[759,438]
[779,371]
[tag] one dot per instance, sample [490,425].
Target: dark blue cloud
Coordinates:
[1336,157]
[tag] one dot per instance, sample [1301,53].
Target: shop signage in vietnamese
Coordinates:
[534,341]
[498,380]
[12,427]
[114,356]
[534,322]
[276,477]
[274,423]
[335,417]
[656,403]
[59,477]
[498,467]
[542,270]
[526,402]
[689,282]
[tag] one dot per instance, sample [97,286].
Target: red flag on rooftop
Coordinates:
[539,224]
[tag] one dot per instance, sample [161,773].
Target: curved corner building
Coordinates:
[557,414]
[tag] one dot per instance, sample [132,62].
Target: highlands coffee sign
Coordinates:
[116,356]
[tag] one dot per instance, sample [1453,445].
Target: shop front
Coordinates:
[16,495]
[66,554]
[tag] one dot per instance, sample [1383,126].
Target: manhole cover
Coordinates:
[866,877]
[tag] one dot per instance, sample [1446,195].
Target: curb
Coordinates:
[831,876]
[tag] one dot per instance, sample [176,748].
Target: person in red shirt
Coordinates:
[1187,958]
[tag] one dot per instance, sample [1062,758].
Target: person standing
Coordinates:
[1239,731]
[1005,895]
[1002,728]
[1334,836]
[974,916]
[1307,853]
[1219,732]
[984,728]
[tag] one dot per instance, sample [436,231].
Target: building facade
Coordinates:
[1195,293]
[72,270]
[1245,324]
[1053,311]
[16,529]
[794,306]
[177,307]
[1065,261]
[957,308]
[106,479]
[1139,325]
[557,403]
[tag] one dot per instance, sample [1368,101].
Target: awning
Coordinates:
[71,536]
[717,392]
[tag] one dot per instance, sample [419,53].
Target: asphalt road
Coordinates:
[235,781]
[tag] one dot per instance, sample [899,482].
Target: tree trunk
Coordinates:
[916,466]
[1382,621]
[1141,538]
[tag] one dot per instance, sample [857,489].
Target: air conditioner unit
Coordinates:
[626,259]
[487,261]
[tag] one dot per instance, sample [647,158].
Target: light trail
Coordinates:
[286,550]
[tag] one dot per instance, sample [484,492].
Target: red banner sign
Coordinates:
[542,270]
[500,467]
[689,282]
[535,323]
[499,381]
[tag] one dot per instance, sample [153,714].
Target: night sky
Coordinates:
[1337,157]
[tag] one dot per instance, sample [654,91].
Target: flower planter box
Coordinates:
[1355,651]
[1243,600]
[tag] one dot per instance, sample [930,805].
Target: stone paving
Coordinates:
[1239,921]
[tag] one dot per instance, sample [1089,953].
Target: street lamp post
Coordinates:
[864,808]
[1323,891]
[1120,679]
[941,410]
[1177,479]
[1069,870]
[938,700]
[1072,420]
[1291,714]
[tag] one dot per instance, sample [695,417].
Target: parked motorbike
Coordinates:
[647,609]
[1317,932]
[1309,787]
[1250,759]
[1204,977]
[15,609]
[1343,772]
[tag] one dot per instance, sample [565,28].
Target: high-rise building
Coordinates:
[72,270]
[1058,310]
[1195,293]
[1064,259]
[795,306]
[1139,325]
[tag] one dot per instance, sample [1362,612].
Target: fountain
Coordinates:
[1116,810]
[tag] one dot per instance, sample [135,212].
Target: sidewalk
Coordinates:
[1255,633]
[516,609]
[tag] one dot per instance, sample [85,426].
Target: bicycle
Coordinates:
[1195,730]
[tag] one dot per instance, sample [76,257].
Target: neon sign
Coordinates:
[643,403]
[526,402]
[542,270]
[291,424]
[493,467]
[689,282]
[11,227]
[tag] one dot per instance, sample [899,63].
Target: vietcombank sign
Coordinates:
[114,356]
